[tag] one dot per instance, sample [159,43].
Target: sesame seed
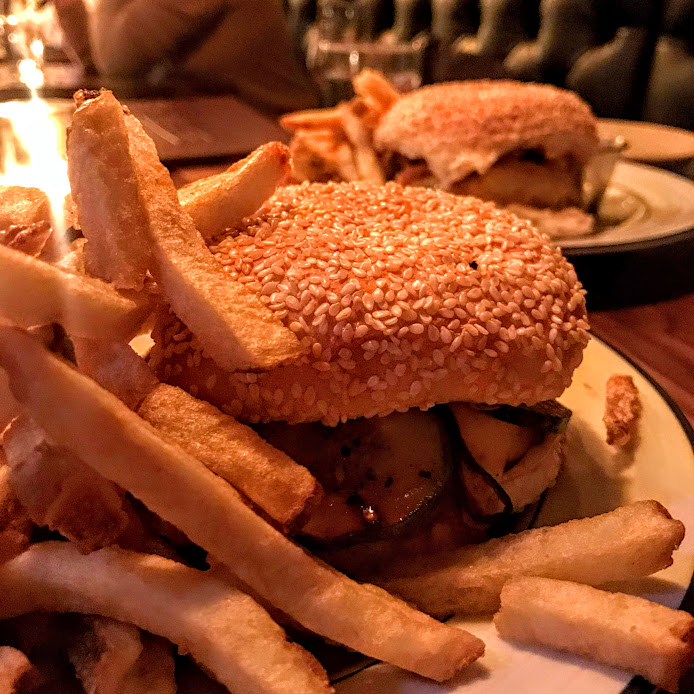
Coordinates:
[344,314]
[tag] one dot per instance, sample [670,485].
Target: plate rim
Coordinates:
[637,684]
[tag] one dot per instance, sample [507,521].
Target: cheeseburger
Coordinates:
[436,332]
[524,146]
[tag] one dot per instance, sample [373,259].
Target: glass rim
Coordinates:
[417,45]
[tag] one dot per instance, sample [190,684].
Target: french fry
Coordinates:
[222,201]
[345,164]
[15,524]
[269,478]
[112,657]
[73,260]
[59,491]
[316,118]
[631,541]
[622,409]
[70,407]
[23,206]
[226,631]
[628,632]
[33,292]
[103,653]
[154,671]
[117,368]
[14,665]
[232,324]
[26,238]
[365,158]
[376,89]
[106,195]
[140,535]
[322,155]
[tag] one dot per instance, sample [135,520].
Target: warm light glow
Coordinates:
[30,73]
[31,136]
[32,144]
[37,48]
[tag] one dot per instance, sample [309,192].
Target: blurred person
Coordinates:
[239,46]
[74,23]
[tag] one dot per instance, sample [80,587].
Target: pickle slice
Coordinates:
[549,416]
[491,446]
[382,477]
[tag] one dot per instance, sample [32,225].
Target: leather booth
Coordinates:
[627,58]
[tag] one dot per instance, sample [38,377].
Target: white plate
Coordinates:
[595,479]
[649,142]
[642,204]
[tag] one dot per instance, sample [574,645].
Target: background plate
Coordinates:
[653,205]
[595,479]
[649,142]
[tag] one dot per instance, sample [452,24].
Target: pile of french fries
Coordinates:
[112,483]
[337,143]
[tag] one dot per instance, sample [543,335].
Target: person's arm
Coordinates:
[250,52]
[130,36]
[74,23]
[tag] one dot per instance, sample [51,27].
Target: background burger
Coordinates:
[437,330]
[521,145]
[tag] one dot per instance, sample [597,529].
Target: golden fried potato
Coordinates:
[15,525]
[631,541]
[23,206]
[103,652]
[622,630]
[14,666]
[59,491]
[116,367]
[226,631]
[106,195]
[622,409]
[33,293]
[211,513]
[271,480]
[219,202]
[376,89]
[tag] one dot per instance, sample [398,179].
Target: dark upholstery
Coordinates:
[670,96]
[453,18]
[600,48]
[503,24]
[410,18]
[627,58]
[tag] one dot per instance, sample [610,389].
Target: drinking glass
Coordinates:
[334,63]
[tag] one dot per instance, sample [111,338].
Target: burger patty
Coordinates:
[524,178]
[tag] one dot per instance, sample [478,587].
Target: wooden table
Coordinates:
[659,338]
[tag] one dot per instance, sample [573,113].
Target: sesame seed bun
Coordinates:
[460,128]
[401,297]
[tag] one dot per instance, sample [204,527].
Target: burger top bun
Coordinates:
[401,297]
[463,127]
